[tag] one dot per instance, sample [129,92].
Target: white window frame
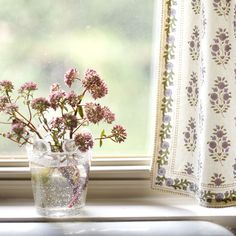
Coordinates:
[104,164]
[118,177]
[126,175]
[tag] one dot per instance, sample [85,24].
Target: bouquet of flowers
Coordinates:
[58,123]
[71,114]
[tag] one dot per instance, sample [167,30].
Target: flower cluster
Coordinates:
[109,116]
[28,87]
[56,123]
[56,98]
[71,113]
[11,108]
[94,84]
[72,99]
[119,133]
[70,77]
[3,102]
[6,86]
[40,104]
[96,113]
[18,128]
[55,87]
[70,121]
[84,141]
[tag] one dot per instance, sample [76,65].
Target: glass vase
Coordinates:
[59,181]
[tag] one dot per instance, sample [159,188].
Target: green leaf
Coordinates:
[80,97]
[81,112]
[100,143]
[103,134]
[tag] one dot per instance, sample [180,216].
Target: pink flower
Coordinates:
[28,87]
[70,121]
[56,98]
[94,84]
[109,116]
[6,85]
[73,114]
[3,102]
[55,87]
[72,99]
[18,128]
[94,112]
[84,141]
[11,107]
[119,133]
[40,104]
[70,76]
[98,91]
[57,123]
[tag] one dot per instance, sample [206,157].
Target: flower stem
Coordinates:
[3,135]
[107,137]
[28,124]
[5,123]
[84,120]
[45,122]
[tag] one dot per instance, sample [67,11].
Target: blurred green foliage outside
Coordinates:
[40,40]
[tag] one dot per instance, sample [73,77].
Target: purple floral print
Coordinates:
[194,44]
[222,7]
[221,47]
[219,144]
[196,6]
[220,96]
[190,135]
[217,179]
[192,89]
[189,168]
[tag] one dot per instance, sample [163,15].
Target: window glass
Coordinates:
[40,40]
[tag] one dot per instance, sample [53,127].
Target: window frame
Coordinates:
[124,175]
[109,176]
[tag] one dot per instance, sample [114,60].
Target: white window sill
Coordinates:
[118,191]
[164,207]
[127,228]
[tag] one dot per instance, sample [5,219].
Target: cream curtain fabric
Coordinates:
[195,151]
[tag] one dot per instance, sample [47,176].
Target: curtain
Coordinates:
[195,143]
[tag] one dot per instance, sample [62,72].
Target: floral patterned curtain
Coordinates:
[195,145]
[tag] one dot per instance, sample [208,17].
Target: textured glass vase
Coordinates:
[59,180]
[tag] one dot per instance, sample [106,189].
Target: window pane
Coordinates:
[40,40]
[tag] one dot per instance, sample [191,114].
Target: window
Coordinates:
[40,40]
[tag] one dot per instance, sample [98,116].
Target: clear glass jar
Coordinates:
[59,181]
